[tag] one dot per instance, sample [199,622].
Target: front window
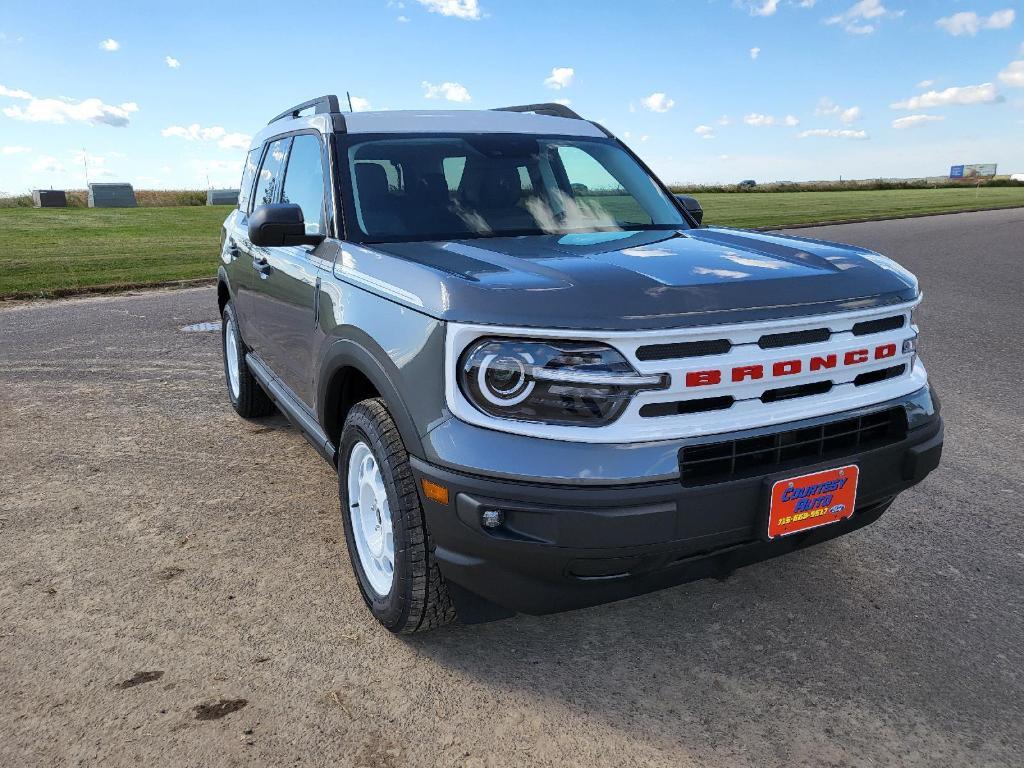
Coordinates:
[451,187]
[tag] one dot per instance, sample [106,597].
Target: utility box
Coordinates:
[111,196]
[222,197]
[49,198]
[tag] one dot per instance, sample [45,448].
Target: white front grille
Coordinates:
[749,408]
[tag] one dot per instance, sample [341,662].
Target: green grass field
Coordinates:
[53,252]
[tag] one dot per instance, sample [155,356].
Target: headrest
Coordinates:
[371,180]
[500,187]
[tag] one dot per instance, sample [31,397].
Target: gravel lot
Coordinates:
[174,588]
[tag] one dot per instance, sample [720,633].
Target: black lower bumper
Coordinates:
[564,547]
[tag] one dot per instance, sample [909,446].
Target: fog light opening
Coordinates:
[492,518]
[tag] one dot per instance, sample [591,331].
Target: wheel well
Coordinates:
[347,387]
[222,295]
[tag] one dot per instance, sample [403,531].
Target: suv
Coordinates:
[545,385]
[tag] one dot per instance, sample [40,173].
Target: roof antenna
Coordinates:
[349,95]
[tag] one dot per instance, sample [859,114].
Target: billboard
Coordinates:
[972,171]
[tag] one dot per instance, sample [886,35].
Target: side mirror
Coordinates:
[692,207]
[280,224]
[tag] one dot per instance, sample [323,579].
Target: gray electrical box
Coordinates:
[222,197]
[49,198]
[111,196]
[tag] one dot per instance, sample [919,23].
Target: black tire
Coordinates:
[250,401]
[418,599]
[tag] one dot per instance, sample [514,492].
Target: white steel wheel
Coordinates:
[231,353]
[370,513]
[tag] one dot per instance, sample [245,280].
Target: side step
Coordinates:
[292,408]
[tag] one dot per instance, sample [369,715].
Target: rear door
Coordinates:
[287,279]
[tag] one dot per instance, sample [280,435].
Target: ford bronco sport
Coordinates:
[544,384]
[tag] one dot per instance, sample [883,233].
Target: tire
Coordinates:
[416,599]
[246,395]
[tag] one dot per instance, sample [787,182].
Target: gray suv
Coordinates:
[543,383]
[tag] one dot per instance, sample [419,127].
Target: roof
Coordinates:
[440,121]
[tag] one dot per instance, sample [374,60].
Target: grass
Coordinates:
[54,252]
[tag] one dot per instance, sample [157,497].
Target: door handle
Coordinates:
[260,264]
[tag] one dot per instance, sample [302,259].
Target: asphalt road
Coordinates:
[144,528]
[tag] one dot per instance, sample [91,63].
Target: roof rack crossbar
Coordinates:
[550,109]
[321,105]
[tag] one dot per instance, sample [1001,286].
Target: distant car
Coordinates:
[1017,177]
[747,183]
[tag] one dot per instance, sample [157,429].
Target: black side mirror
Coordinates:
[692,207]
[280,224]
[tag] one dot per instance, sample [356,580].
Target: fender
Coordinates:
[366,356]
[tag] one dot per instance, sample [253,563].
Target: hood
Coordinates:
[637,280]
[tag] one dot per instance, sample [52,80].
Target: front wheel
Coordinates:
[385,529]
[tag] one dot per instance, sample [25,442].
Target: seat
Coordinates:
[499,195]
[377,206]
[429,206]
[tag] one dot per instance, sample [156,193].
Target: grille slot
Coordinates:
[873,377]
[682,407]
[801,390]
[793,338]
[683,349]
[732,459]
[877,326]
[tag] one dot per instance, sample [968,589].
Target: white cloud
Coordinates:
[827,107]
[47,164]
[658,102]
[901,123]
[561,77]
[703,130]
[1013,75]
[850,115]
[644,138]
[172,62]
[755,52]
[14,150]
[564,102]
[764,8]
[460,9]
[724,120]
[14,93]
[759,120]
[807,3]
[925,84]
[969,23]
[359,104]
[861,17]
[60,111]
[196,132]
[402,19]
[110,44]
[968,94]
[833,133]
[449,91]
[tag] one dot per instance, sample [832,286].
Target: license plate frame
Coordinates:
[789,513]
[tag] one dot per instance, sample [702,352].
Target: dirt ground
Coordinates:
[174,588]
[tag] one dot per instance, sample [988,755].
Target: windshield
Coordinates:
[452,187]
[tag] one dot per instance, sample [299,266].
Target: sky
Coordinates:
[166,96]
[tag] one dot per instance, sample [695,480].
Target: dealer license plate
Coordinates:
[809,501]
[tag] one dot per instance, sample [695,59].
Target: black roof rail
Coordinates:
[322,105]
[550,109]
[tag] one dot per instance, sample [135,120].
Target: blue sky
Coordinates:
[165,95]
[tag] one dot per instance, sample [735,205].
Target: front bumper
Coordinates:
[566,546]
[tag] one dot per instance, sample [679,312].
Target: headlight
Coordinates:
[556,382]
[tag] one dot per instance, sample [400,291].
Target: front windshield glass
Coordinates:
[451,187]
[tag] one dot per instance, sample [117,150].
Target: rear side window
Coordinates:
[252,160]
[268,183]
[304,182]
